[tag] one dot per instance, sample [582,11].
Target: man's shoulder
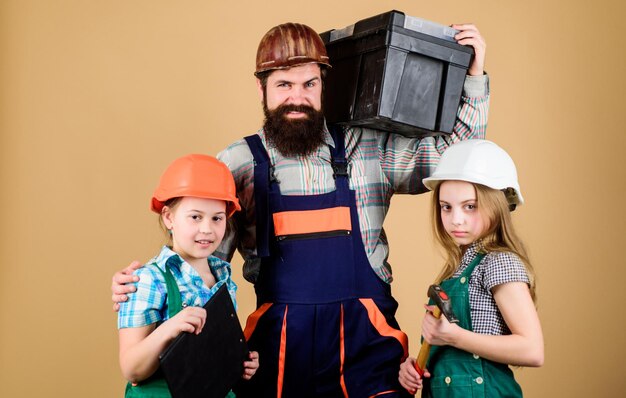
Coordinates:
[237,155]
[236,148]
[357,135]
[367,137]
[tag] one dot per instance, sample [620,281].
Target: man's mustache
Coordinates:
[283,110]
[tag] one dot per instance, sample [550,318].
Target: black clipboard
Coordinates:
[211,363]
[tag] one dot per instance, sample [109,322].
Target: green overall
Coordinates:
[156,386]
[457,373]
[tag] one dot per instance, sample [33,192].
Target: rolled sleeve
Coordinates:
[476,86]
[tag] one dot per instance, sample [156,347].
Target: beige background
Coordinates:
[97,97]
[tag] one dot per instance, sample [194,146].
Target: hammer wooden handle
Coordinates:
[422,357]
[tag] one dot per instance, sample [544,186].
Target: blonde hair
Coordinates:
[500,235]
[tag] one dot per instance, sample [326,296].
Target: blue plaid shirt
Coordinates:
[149,303]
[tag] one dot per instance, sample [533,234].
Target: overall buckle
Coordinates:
[340,169]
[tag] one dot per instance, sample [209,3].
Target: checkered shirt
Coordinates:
[149,303]
[380,164]
[496,268]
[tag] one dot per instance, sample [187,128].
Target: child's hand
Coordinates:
[250,367]
[408,376]
[438,331]
[189,319]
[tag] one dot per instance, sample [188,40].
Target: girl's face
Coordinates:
[198,226]
[460,214]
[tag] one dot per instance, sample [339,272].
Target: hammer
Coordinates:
[442,306]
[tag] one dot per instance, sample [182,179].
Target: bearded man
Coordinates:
[311,227]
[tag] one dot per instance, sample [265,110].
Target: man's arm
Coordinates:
[406,161]
[241,234]
[474,108]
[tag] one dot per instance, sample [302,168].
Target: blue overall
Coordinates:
[324,324]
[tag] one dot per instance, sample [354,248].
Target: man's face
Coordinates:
[292,104]
[300,85]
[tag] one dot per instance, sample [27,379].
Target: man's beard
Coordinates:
[294,137]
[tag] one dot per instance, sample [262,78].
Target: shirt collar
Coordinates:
[470,253]
[167,257]
[328,139]
[170,258]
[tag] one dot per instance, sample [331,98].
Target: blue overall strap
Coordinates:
[263,176]
[339,163]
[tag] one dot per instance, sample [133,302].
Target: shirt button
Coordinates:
[463,279]
[476,356]
[448,380]
[479,380]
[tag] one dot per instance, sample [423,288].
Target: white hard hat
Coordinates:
[481,162]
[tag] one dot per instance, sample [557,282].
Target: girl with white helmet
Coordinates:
[487,276]
[195,196]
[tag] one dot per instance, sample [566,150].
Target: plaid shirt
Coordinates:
[149,303]
[380,164]
[495,269]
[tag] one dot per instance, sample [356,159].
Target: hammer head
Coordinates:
[442,301]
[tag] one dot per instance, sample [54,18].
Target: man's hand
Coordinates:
[470,36]
[250,366]
[119,286]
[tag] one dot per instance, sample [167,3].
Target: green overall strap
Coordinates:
[470,268]
[156,386]
[174,302]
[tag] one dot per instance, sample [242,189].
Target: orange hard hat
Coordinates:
[288,45]
[199,176]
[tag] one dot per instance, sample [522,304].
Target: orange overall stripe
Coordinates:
[311,221]
[342,354]
[253,319]
[281,356]
[378,320]
[383,393]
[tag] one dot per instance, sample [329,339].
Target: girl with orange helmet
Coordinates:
[194,198]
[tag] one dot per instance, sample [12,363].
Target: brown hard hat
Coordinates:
[288,45]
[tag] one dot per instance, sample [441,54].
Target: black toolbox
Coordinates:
[395,73]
